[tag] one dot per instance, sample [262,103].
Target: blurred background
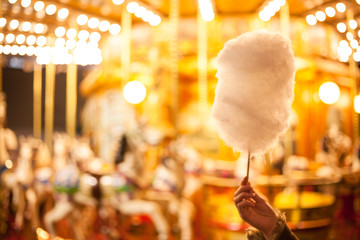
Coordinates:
[106,130]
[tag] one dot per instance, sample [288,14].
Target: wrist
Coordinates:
[273,232]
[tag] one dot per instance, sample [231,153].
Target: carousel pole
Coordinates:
[174,28]
[126,22]
[49,103]
[1,62]
[71,99]
[355,85]
[202,65]
[37,89]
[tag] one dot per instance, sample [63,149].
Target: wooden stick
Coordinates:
[248,166]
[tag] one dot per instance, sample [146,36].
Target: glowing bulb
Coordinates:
[63,13]
[41,41]
[42,233]
[349,36]
[147,16]
[93,23]
[341,7]
[30,50]
[82,19]
[131,7]
[26,26]
[30,40]
[118,2]
[39,28]
[14,49]
[10,38]
[59,42]
[38,6]
[83,35]
[7,49]
[140,11]
[1,37]
[330,11]
[114,29]
[8,164]
[320,16]
[329,92]
[60,31]
[356,56]
[354,43]
[311,19]
[81,44]
[20,39]
[25,3]
[93,44]
[104,26]
[2,22]
[156,20]
[12,1]
[22,50]
[71,33]
[353,24]
[341,27]
[357,103]
[14,24]
[134,92]
[1,49]
[95,37]
[50,9]
[70,44]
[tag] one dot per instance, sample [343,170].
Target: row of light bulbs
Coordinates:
[271,9]
[81,19]
[320,16]
[143,13]
[71,33]
[58,55]
[25,26]
[30,40]
[206,10]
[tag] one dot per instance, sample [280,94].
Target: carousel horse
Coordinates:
[65,183]
[127,182]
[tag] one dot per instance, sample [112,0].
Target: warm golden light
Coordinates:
[71,33]
[9,164]
[134,92]
[41,233]
[39,5]
[320,16]
[357,103]
[206,10]
[41,41]
[349,36]
[2,22]
[70,44]
[22,50]
[20,39]
[1,37]
[59,42]
[39,28]
[14,24]
[30,40]
[356,56]
[30,51]
[26,26]
[50,9]
[341,27]
[104,26]
[25,3]
[311,20]
[118,2]
[131,7]
[10,38]
[95,37]
[114,29]
[14,49]
[93,23]
[63,13]
[7,49]
[353,24]
[82,19]
[60,31]
[340,7]
[12,1]
[354,43]
[83,35]
[329,92]
[156,20]
[330,11]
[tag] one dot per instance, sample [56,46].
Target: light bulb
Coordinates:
[39,5]
[93,23]
[131,7]
[330,11]
[2,22]
[340,7]
[20,39]
[71,33]
[341,27]
[311,19]
[320,16]
[41,41]
[14,24]
[82,19]
[25,3]
[60,31]
[26,26]
[10,38]
[30,40]
[50,9]
[118,2]
[353,24]
[39,28]
[114,29]
[95,36]
[134,92]
[63,13]
[83,35]
[104,26]
[329,92]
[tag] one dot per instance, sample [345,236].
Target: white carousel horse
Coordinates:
[66,177]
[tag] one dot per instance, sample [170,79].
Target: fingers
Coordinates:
[245,204]
[243,195]
[244,188]
[244,181]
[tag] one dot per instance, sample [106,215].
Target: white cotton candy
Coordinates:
[255,90]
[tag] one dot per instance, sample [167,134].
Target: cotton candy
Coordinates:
[255,90]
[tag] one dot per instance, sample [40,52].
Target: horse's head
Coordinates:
[81,152]
[61,144]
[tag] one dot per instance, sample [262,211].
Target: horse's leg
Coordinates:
[185,215]
[61,209]
[150,209]
[19,217]
[33,201]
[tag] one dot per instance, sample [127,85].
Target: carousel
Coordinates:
[131,151]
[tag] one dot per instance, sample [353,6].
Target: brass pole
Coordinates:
[49,104]
[285,20]
[173,31]
[1,62]
[71,99]
[37,89]
[202,65]
[126,22]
